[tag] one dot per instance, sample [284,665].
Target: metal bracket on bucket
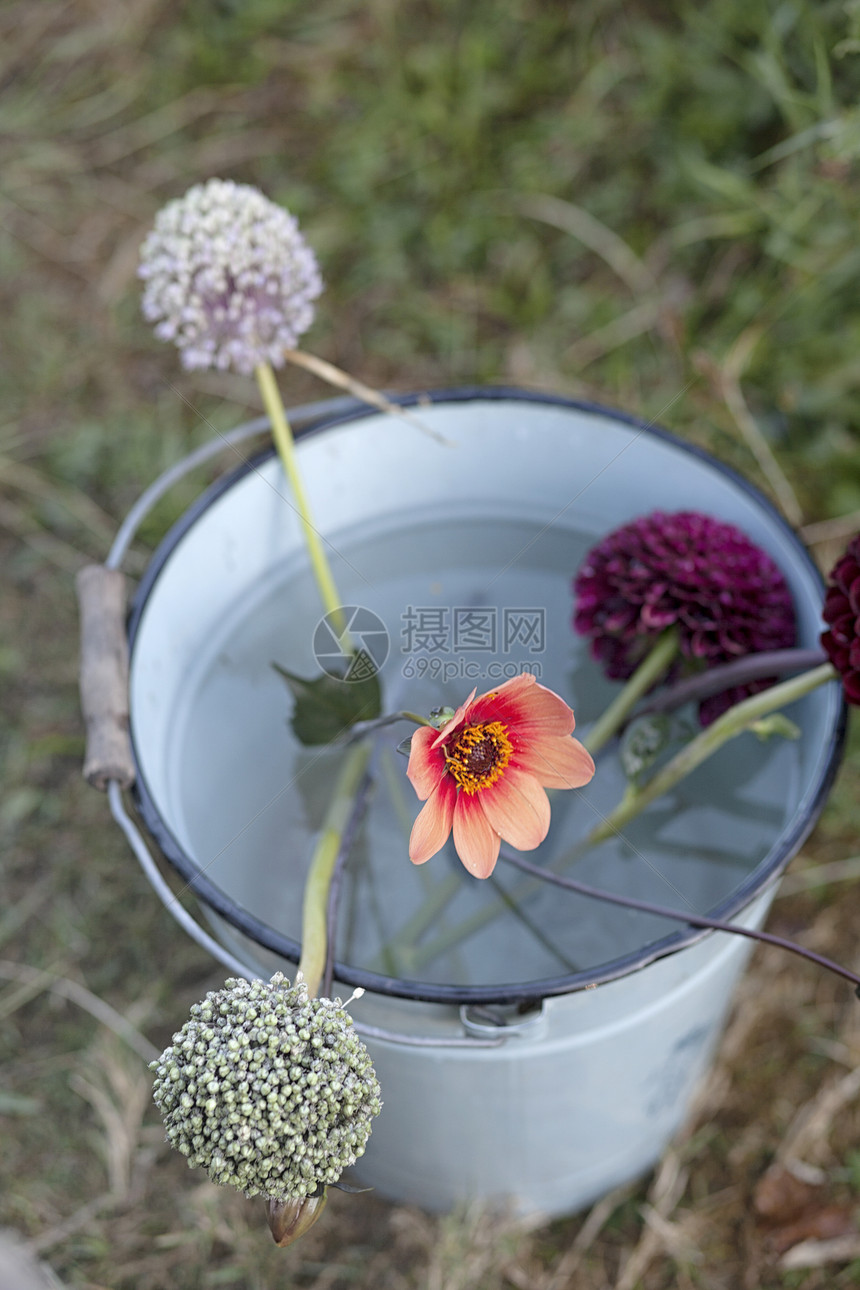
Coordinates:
[502,1022]
[108,764]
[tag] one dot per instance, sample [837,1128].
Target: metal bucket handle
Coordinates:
[104,682]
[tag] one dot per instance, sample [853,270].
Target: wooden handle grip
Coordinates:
[104,676]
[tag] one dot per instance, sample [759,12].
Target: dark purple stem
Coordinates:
[680,916]
[752,667]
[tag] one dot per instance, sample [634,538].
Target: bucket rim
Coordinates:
[250,925]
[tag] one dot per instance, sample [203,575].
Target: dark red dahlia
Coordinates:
[725,595]
[842,613]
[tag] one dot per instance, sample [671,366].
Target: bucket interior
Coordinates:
[464,550]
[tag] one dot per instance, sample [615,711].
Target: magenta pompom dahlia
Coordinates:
[726,597]
[842,614]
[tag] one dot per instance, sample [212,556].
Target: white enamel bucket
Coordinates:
[505,1080]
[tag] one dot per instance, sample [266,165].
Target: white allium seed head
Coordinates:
[229,277]
[268,1090]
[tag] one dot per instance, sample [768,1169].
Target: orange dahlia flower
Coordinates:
[484,773]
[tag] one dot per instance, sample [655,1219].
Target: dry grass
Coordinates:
[702,305]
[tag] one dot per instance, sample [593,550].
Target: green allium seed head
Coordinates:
[268,1090]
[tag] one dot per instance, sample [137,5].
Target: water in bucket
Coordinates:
[466,603]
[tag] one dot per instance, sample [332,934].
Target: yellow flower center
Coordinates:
[478,755]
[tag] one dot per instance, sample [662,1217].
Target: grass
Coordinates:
[658,210]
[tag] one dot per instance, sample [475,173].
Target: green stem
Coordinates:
[435,902]
[437,893]
[514,907]
[406,715]
[285,444]
[649,671]
[314,939]
[731,723]
[451,936]
[362,728]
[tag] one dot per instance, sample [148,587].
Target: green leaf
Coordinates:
[776,724]
[642,743]
[326,706]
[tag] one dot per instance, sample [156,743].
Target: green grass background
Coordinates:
[656,206]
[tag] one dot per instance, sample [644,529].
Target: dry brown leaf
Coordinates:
[781,1197]
[833,1222]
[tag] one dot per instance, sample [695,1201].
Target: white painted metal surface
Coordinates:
[591,1086]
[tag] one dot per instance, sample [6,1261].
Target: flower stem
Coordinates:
[452,936]
[343,381]
[680,916]
[363,728]
[285,444]
[437,900]
[406,715]
[314,938]
[647,674]
[752,667]
[731,723]
[348,836]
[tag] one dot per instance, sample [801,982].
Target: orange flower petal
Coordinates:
[522,703]
[554,762]
[518,809]
[488,704]
[528,750]
[476,841]
[457,720]
[433,825]
[426,763]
